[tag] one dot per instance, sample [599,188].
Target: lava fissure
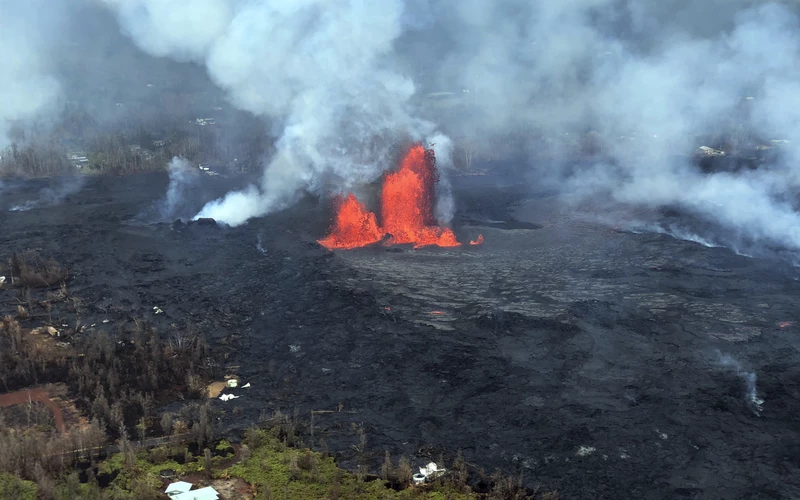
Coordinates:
[408,196]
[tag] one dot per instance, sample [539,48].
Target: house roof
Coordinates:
[207,493]
[178,487]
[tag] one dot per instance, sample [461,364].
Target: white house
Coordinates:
[183,491]
[207,493]
[175,489]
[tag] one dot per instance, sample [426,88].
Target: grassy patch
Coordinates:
[144,471]
[301,474]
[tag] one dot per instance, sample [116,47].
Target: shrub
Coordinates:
[31,270]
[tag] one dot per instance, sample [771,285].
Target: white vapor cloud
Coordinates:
[337,80]
[321,69]
[26,83]
[183,178]
[749,378]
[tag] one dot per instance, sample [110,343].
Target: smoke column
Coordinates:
[182,178]
[749,378]
[322,70]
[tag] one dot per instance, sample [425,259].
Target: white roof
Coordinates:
[179,487]
[207,493]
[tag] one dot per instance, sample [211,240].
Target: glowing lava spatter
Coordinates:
[354,226]
[407,201]
[477,241]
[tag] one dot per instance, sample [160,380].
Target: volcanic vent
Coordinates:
[408,196]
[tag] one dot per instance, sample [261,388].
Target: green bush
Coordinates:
[14,488]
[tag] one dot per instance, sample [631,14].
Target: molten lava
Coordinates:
[353,227]
[477,241]
[407,201]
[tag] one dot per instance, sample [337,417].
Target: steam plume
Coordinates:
[648,84]
[340,81]
[748,377]
[182,178]
[322,70]
[52,195]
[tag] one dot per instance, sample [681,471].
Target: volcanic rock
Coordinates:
[205,221]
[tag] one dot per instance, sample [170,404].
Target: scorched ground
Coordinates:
[585,358]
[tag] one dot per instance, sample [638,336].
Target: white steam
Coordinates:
[749,378]
[649,88]
[26,85]
[445,205]
[183,178]
[336,79]
[321,69]
[52,195]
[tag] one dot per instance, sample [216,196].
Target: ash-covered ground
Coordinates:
[595,360]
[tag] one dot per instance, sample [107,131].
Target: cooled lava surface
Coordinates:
[597,362]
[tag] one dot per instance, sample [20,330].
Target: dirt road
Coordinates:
[40,395]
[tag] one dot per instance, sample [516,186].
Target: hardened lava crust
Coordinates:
[591,359]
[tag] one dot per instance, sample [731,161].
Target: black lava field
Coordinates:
[593,358]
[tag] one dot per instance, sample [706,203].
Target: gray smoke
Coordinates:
[648,84]
[183,178]
[339,83]
[749,379]
[26,82]
[322,70]
[337,79]
[51,195]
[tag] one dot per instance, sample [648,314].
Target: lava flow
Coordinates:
[407,200]
[354,226]
[477,241]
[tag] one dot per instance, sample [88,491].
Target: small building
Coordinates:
[207,493]
[77,160]
[177,488]
[183,491]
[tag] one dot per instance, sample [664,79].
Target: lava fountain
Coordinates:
[407,199]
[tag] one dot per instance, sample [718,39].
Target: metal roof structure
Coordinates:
[177,488]
[207,493]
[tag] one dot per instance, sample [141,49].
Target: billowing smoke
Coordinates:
[445,205]
[637,86]
[26,83]
[749,379]
[321,70]
[336,78]
[647,80]
[183,178]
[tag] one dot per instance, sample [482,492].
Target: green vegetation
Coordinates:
[13,487]
[265,462]
[278,470]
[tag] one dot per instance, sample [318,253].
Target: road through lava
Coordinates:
[407,200]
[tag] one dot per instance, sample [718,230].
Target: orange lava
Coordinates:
[784,324]
[354,226]
[477,241]
[407,201]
